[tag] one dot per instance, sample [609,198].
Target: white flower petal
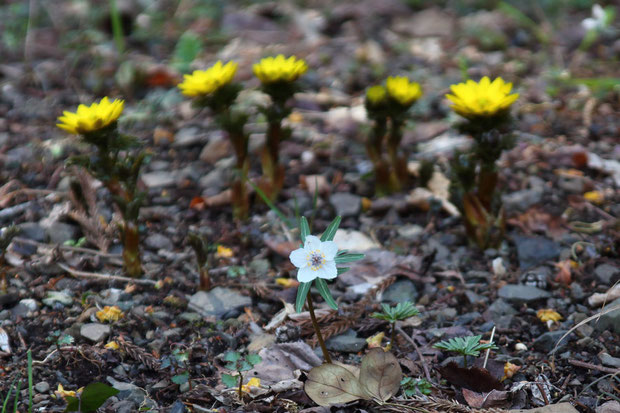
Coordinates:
[312,243]
[328,271]
[305,275]
[329,248]
[299,258]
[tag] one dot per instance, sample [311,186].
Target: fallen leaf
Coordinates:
[380,374]
[547,314]
[564,275]
[510,370]
[331,384]
[375,341]
[476,379]
[494,398]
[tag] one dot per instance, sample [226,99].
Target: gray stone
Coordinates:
[547,341]
[95,332]
[158,179]
[608,274]
[533,251]
[259,266]
[346,204]
[158,242]
[400,291]
[610,320]
[501,313]
[61,297]
[60,232]
[32,231]
[178,407]
[612,406]
[608,360]
[124,406]
[213,182]
[218,302]
[42,387]
[411,232]
[519,294]
[521,201]
[347,342]
[188,137]
[190,317]
[25,306]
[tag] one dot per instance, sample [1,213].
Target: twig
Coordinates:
[66,248]
[591,366]
[486,357]
[106,277]
[417,349]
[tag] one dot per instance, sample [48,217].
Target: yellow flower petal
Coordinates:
[112,345]
[400,89]
[91,118]
[206,82]
[224,252]
[547,314]
[253,382]
[484,99]
[279,69]
[108,313]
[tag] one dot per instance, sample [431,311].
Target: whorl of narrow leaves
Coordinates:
[401,311]
[467,346]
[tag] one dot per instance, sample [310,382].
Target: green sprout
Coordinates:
[203,251]
[465,346]
[399,312]
[238,363]
[415,387]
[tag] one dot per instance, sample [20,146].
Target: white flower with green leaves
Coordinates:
[315,260]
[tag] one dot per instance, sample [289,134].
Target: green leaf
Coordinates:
[180,378]
[253,359]
[92,397]
[302,293]
[230,380]
[186,50]
[232,356]
[330,232]
[342,270]
[321,285]
[347,257]
[304,229]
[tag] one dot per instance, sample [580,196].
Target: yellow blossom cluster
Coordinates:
[91,118]
[206,82]
[482,99]
[376,95]
[402,90]
[108,313]
[279,69]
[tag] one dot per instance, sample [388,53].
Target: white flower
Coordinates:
[597,21]
[315,259]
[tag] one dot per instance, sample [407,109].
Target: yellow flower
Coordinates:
[483,99]
[112,345]
[279,69]
[205,82]
[402,90]
[376,95]
[253,382]
[108,313]
[287,282]
[61,392]
[91,118]
[596,197]
[546,315]
[223,252]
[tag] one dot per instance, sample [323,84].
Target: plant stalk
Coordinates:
[240,386]
[131,250]
[317,330]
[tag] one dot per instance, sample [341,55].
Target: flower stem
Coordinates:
[317,330]
[240,386]
[131,250]
[393,335]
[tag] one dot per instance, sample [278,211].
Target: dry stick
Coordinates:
[486,357]
[317,330]
[106,277]
[591,366]
[417,349]
[66,248]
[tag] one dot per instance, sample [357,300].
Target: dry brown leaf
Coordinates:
[332,384]
[380,374]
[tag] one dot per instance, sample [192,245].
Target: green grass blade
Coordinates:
[302,293]
[117,28]
[8,395]
[19,386]
[323,288]
[29,381]
[330,232]
[272,206]
[304,229]
[347,257]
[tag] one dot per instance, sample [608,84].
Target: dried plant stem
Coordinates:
[317,330]
[402,332]
[106,277]
[131,250]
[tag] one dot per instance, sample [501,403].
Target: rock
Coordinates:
[610,320]
[521,201]
[431,23]
[346,204]
[399,292]
[501,313]
[95,332]
[219,302]
[354,241]
[533,251]
[60,232]
[612,406]
[608,360]
[216,149]
[411,232]
[42,387]
[25,306]
[32,231]
[547,341]
[124,406]
[158,242]
[61,297]
[188,137]
[607,274]
[519,294]
[213,182]
[259,266]
[178,407]
[347,342]
[158,179]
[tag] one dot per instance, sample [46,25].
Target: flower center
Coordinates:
[315,259]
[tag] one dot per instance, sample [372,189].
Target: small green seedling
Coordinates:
[90,399]
[465,346]
[238,363]
[178,364]
[203,250]
[399,312]
[415,387]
